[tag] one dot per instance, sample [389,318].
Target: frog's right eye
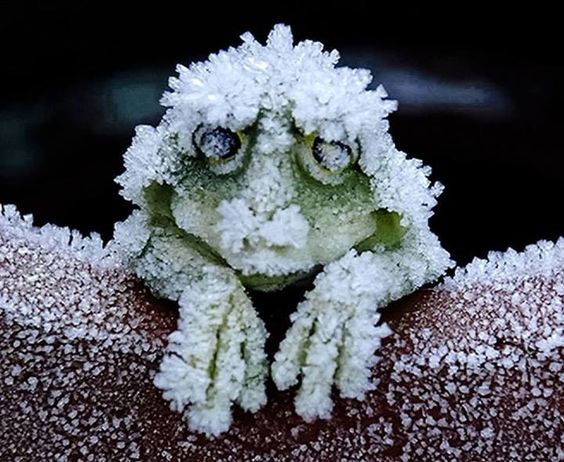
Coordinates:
[216,143]
[222,148]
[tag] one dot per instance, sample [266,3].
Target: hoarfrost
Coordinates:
[261,105]
[508,412]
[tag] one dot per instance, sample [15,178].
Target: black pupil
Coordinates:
[219,143]
[333,155]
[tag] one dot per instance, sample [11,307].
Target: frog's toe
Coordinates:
[253,392]
[310,349]
[289,359]
[216,357]
[314,396]
[361,339]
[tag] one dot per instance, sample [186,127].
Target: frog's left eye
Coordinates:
[332,155]
[217,144]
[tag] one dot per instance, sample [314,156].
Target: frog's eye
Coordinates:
[329,162]
[223,149]
[217,144]
[332,155]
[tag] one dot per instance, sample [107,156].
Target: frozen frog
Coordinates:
[270,165]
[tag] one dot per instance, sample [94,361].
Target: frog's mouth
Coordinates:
[159,199]
[387,232]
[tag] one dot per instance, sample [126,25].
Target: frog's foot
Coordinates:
[328,345]
[216,357]
[333,339]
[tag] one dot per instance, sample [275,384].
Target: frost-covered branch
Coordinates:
[471,371]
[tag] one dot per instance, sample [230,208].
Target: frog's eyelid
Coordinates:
[195,134]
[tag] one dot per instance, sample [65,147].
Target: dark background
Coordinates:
[480,100]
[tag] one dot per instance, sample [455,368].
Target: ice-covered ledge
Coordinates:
[472,372]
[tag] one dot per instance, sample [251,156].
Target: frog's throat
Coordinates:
[388,233]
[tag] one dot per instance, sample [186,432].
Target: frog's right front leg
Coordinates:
[216,357]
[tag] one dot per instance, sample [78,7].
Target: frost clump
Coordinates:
[269,165]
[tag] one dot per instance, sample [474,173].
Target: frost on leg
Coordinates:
[253,395]
[319,365]
[334,335]
[216,356]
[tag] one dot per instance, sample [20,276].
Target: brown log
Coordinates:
[472,371]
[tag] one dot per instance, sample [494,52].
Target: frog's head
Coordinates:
[275,161]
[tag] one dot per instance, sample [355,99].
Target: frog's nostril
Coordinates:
[241,227]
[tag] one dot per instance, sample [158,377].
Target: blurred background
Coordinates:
[480,100]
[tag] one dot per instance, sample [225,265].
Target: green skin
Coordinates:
[324,206]
[191,252]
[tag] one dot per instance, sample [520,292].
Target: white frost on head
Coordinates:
[149,158]
[281,79]
[233,86]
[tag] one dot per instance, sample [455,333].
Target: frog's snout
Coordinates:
[242,228]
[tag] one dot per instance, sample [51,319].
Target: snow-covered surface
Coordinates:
[473,370]
[89,249]
[483,368]
[75,334]
[535,260]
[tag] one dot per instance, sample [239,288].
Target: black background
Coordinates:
[480,100]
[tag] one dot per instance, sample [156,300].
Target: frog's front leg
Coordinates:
[334,334]
[216,356]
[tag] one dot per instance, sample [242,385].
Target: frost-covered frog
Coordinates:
[269,165]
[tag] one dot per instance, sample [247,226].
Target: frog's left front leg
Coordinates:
[334,333]
[216,356]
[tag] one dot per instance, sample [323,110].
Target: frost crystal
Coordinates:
[270,164]
[472,370]
[536,259]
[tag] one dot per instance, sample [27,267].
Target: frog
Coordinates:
[272,164]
